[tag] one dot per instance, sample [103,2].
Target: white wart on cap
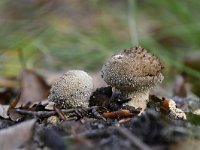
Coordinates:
[72,89]
[133,72]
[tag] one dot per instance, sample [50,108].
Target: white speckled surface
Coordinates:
[72,89]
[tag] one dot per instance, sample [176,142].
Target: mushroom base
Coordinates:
[139,99]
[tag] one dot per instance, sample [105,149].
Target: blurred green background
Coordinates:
[58,34]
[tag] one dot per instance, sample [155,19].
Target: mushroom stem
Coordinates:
[139,99]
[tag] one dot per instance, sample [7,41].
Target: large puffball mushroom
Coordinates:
[72,89]
[133,72]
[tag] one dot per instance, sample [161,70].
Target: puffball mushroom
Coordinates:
[72,89]
[133,72]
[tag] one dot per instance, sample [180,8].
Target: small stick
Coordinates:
[59,112]
[41,113]
[97,114]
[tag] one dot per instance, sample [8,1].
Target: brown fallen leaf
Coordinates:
[164,104]
[16,136]
[14,116]
[14,103]
[34,87]
[101,97]
[6,95]
[122,113]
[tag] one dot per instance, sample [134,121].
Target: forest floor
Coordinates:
[106,124]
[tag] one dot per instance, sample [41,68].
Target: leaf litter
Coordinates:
[107,124]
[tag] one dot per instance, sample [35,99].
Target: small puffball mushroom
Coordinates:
[72,89]
[133,72]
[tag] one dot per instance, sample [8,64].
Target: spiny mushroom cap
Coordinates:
[72,89]
[132,69]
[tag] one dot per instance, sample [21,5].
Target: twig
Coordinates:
[71,118]
[41,113]
[60,113]
[44,113]
[96,113]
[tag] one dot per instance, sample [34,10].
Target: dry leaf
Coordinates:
[14,103]
[101,97]
[118,114]
[3,111]
[14,116]
[34,88]
[15,136]
[164,104]
[6,95]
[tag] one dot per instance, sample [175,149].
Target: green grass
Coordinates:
[85,35]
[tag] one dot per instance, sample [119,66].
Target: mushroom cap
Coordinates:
[72,89]
[133,69]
